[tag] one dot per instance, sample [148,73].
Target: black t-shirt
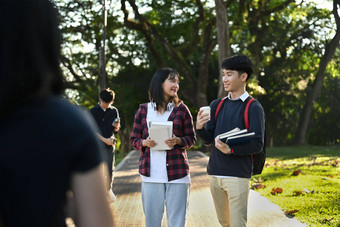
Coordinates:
[41,144]
[104,120]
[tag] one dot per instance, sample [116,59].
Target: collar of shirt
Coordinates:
[169,106]
[243,97]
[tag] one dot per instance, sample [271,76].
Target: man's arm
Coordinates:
[116,122]
[108,141]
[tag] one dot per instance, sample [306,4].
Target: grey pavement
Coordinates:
[128,209]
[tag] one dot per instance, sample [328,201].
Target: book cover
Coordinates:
[240,139]
[159,132]
[232,132]
[236,136]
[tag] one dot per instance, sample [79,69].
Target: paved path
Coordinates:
[128,209]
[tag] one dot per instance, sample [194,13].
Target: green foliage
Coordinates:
[285,43]
[325,128]
[315,192]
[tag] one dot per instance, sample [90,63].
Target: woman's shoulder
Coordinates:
[183,108]
[143,105]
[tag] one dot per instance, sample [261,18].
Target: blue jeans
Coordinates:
[176,199]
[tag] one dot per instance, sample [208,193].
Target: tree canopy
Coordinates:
[285,39]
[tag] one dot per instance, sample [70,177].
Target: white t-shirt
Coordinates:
[158,172]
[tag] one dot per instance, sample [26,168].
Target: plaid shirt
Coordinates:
[176,159]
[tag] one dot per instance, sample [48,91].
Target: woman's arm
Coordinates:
[136,137]
[91,204]
[189,137]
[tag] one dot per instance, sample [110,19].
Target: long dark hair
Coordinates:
[156,93]
[29,52]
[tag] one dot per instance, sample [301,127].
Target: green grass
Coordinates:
[119,156]
[319,183]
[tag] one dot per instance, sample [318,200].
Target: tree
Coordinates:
[283,38]
[223,37]
[300,135]
[185,45]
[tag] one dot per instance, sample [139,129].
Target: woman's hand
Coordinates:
[223,147]
[148,142]
[173,141]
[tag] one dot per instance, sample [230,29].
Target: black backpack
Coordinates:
[259,158]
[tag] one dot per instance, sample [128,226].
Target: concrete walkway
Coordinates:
[128,209]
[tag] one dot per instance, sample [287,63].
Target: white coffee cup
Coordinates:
[206,109]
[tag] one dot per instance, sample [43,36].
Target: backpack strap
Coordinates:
[219,107]
[246,115]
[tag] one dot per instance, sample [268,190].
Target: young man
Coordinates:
[231,167]
[108,121]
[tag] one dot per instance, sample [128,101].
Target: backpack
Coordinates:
[259,158]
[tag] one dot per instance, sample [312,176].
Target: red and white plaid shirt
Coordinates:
[176,159]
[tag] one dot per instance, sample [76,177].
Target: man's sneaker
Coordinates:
[111,196]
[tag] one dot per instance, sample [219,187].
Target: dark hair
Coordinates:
[29,52]
[240,63]
[107,95]
[156,93]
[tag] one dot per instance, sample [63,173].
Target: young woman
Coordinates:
[165,173]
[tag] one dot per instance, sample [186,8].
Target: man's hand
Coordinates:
[116,125]
[223,147]
[202,118]
[110,141]
[148,142]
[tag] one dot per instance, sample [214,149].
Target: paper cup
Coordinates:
[206,109]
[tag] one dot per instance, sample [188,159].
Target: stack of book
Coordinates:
[159,132]
[236,136]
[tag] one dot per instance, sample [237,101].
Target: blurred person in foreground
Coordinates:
[47,145]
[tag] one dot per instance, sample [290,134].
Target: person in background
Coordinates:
[231,167]
[165,173]
[108,121]
[47,145]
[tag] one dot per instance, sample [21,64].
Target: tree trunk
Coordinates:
[102,59]
[124,136]
[222,40]
[300,135]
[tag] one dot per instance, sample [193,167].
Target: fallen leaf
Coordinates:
[290,212]
[257,180]
[327,220]
[297,193]
[306,191]
[258,186]
[296,172]
[276,191]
